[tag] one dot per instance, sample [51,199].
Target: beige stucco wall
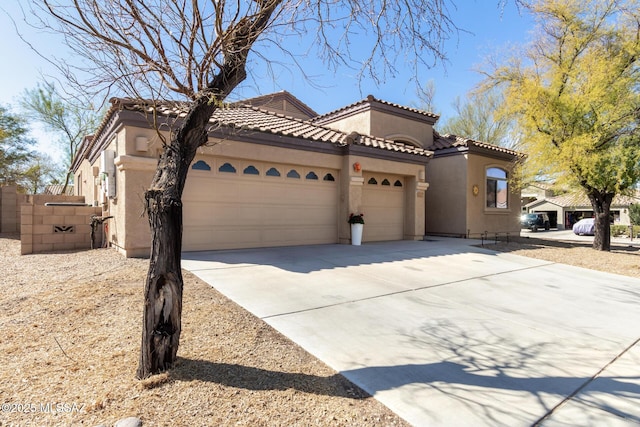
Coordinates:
[136,159]
[359,122]
[623,218]
[481,219]
[384,125]
[550,207]
[135,151]
[130,232]
[453,209]
[446,198]
[86,179]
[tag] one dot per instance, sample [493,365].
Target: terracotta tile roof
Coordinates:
[56,189]
[262,100]
[578,199]
[370,99]
[447,141]
[253,119]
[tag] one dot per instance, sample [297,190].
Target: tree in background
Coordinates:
[198,52]
[69,120]
[476,118]
[426,95]
[574,92]
[634,213]
[38,172]
[14,147]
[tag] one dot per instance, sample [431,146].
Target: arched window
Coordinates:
[397,183]
[227,167]
[328,177]
[293,174]
[311,175]
[251,170]
[201,165]
[273,172]
[372,181]
[385,182]
[404,139]
[497,188]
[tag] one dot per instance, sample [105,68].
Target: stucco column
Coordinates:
[415,212]
[350,197]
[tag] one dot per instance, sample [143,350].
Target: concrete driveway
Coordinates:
[444,333]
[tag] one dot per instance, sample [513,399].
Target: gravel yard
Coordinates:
[71,327]
[623,259]
[71,331]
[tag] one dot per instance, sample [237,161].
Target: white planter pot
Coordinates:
[356,234]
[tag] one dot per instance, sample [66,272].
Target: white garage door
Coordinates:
[232,204]
[383,207]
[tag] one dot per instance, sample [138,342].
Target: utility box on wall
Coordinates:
[108,173]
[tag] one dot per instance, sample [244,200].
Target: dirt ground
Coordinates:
[71,327]
[622,259]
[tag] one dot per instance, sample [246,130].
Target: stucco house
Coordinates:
[564,210]
[276,173]
[535,191]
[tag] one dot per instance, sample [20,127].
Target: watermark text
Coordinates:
[42,408]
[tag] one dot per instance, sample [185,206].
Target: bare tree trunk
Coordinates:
[601,203]
[66,181]
[163,289]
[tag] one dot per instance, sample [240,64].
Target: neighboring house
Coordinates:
[56,189]
[535,191]
[566,209]
[275,173]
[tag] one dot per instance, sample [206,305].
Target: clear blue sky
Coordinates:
[489,27]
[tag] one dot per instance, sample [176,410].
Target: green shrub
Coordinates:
[623,230]
[634,214]
[619,230]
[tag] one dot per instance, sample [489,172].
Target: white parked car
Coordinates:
[584,227]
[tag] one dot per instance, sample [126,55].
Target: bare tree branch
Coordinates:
[198,51]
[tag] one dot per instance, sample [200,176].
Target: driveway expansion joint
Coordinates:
[405,291]
[586,384]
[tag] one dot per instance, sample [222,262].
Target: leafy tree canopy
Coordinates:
[14,146]
[476,118]
[38,172]
[69,120]
[574,92]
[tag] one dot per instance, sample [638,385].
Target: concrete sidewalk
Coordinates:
[445,333]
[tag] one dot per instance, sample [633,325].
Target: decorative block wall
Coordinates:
[10,202]
[56,228]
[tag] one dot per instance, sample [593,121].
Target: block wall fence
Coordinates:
[56,228]
[10,202]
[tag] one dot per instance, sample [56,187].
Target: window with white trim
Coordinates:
[497,189]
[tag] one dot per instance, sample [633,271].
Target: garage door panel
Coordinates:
[201,238]
[383,207]
[226,211]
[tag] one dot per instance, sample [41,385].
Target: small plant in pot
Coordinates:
[356,219]
[357,224]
